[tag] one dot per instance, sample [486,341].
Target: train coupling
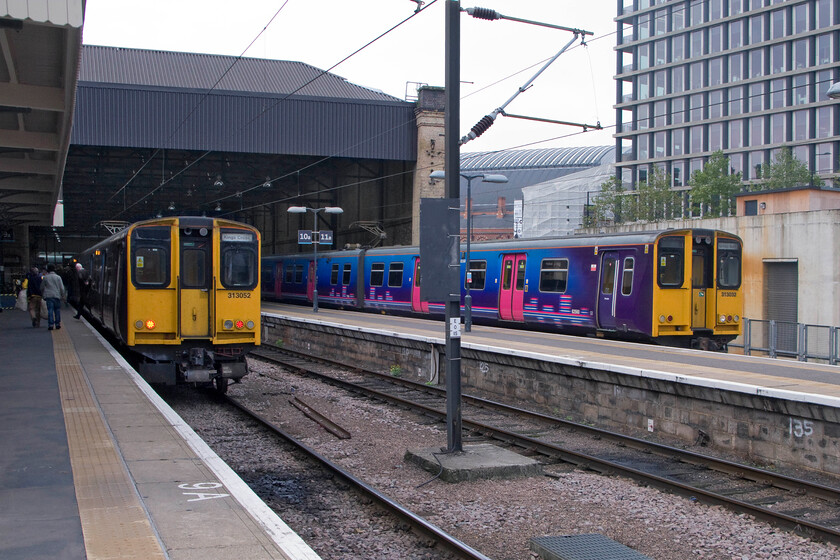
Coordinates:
[197,365]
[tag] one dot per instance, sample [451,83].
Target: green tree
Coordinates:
[787,171]
[609,203]
[713,188]
[656,200]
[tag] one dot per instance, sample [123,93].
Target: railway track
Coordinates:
[807,508]
[450,543]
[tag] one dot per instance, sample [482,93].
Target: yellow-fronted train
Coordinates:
[181,295]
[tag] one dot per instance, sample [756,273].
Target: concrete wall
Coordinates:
[765,430]
[811,239]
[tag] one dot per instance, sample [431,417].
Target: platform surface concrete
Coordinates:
[476,461]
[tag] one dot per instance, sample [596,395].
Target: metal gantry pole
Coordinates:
[452,182]
[316,238]
[467,274]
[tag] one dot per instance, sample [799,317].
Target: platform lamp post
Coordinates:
[486,178]
[316,238]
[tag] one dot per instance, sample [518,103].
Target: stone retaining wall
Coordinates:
[764,430]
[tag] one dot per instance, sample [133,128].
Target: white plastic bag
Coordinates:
[21,301]
[45,314]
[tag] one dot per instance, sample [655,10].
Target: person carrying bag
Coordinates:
[34,296]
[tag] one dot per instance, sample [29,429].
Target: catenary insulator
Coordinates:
[484,13]
[482,125]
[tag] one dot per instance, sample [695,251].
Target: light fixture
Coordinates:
[763,205]
[267,183]
[159,214]
[218,183]
[171,206]
[218,207]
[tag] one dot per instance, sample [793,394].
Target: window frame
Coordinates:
[561,269]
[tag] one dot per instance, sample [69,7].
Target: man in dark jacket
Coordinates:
[33,295]
[82,280]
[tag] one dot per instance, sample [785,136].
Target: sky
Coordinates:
[497,57]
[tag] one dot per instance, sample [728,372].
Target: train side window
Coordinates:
[671,266]
[479,275]
[150,266]
[395,275]
[377,274]
[334,274]
[627,277]
[507,274]
[729,264]
[554,273]
[346,275]
[290,274]
[298,274]
[608,276]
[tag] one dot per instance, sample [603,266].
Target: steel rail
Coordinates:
[609,467]
[416,521]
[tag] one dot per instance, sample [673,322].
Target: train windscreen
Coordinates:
[239,264]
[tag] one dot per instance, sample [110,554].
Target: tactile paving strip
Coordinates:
[114,523]
[591,546]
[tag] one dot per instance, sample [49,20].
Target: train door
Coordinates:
[416,303]
[311,278]
[606,294]
[701,281]
[195,283]
[512,289]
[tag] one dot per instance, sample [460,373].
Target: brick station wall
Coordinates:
[763,430]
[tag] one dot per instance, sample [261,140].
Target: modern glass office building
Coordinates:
[743,76]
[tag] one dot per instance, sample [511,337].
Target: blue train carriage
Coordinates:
[391,280]
[292,278]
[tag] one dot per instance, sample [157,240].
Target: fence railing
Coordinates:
[793,340]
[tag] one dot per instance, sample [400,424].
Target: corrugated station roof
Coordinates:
[537,158]
[141,67]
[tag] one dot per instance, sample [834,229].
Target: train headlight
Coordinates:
[228,325]
[240,324]
[737,318]
[150,325]
[138,325]
[662,318]
[250,324]
[723,318]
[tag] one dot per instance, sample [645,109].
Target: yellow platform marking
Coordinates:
[114,523]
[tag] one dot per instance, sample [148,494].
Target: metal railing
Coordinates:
[793,340]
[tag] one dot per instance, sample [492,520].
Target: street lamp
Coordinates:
[316,238]
[833,91]
[486,178]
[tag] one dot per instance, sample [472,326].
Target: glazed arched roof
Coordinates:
[537,158]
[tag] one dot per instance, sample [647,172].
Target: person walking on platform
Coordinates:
[52,289]
[33,295]
[81,286]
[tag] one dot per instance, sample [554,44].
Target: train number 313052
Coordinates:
[239,295]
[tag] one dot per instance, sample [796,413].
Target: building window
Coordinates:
[696,11]
[696,42]
[677,142]
[824,13]
[736,134]
[715,104]
[677,19]
[824,48]
[825,158]
[642,116]
[697,106]
[757,28]
[757,162]
[800,89]
[678,48]
[736,100]
[660,22]
[695,71]
[778,92]
[678,79]
[715,9]
[756,62]
[715,137]
[677,173]
[735,7]
[644,26]
[736,67]
[659,82]
[643,56]
[642,141]
[696,139]
[800,53]
[824,80]
[735,37]
[661,52]
[659,144]
[716,71]
[716,39]
[660,113]
[778,63]
[678,110]
[825,117]
[778,128]
[756,131]
[800,18]
[750,208]
[777,23]
[643,89]
[756,97]
[800,124]
[736,163]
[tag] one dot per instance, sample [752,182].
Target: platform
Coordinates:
[96,465]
